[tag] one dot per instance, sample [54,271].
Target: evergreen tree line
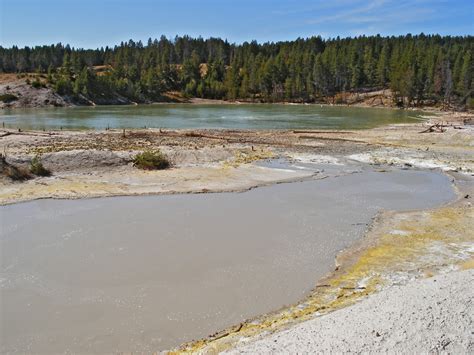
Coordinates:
[416,68]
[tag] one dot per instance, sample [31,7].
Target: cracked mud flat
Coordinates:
[423,243]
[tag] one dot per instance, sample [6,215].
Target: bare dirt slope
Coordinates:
[26,95]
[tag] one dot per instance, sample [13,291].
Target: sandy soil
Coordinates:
[426,316]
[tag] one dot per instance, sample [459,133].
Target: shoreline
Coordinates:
[361,270]
[353,279]
[217,102]
[307,257]
[45,97]
[87,163]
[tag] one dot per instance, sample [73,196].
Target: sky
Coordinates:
[96,23]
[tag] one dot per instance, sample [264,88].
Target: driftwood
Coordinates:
[244,140]
[353,288]
[224,334]
[22,133]
[296,131]
[438,128]
[200,135]
[331,139]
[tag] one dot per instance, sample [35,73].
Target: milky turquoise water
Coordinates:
[245,116]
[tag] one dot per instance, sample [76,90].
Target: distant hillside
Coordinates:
[418,70]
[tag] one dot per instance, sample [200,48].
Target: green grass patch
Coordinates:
[151,160]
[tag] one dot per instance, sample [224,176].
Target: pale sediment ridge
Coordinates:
[432,315]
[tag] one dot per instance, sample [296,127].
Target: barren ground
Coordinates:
[28,96]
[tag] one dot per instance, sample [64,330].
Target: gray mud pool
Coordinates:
[140,274]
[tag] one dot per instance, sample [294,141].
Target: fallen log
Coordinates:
[319,132]
[331,139]
[438,128]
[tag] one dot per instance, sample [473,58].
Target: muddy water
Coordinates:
[147,273]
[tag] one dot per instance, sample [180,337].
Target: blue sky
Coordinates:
[91,24]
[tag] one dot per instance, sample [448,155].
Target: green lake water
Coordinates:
[245,116]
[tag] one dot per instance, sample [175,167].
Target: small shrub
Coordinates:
[37,84]
[151,160]
[470,103]
[63,87]
[37,168]
[8,98]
